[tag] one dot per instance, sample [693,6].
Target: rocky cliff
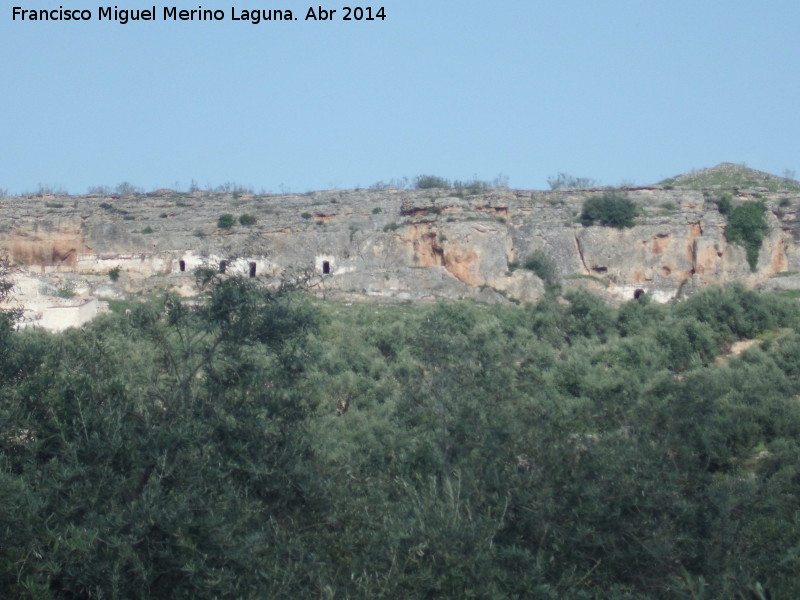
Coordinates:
[391,244]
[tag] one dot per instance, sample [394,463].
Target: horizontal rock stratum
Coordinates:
[390,243]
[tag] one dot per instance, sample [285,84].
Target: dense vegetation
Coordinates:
[226,221]
[247,220]
[544,266]
[747,226]
[430,182]
[609,209]
[258,444]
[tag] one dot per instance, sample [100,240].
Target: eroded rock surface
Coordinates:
[390,244]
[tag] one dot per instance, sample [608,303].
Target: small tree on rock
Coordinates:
[226,221]
[609,210]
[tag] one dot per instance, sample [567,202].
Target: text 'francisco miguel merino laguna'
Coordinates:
[172,13]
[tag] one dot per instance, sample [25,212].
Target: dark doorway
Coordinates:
[252,269]
[326,267]
[638,294]
[223,265]
[182,265]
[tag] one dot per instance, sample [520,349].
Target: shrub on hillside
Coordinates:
[609,209]
[247,220]
[544,266]
[748,227]
[428,182]
[226,221]
[724,205]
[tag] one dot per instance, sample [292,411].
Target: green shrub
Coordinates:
[226,221]
[147,229]
[544,266]
[247,220]
[391,227]
[306,215]
[588,315]
[748,227]
[65,290]
[377,210]
[669,207]
[113,274]
[429,182]
[724,205]
[784,202]
[609,209]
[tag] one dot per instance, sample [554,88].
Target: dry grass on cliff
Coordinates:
[729,176]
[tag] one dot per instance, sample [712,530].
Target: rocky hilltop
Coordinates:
[392,244]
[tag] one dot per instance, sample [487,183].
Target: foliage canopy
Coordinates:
[544,266]
[256,443]
[747,226]
[609,209]
[226,221]
[428,182]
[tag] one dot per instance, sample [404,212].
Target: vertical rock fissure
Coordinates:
[580,253]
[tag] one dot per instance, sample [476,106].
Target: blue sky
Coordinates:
[619,91]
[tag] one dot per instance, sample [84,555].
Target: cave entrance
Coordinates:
[223,265]
[182,265]
[326,267]
[252,269]
[638,294]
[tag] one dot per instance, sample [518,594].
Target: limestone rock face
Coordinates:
[392,244]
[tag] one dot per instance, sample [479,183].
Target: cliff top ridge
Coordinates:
[728,175]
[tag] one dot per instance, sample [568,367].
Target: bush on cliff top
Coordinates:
[609,210]
[429,182]
[226,221]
